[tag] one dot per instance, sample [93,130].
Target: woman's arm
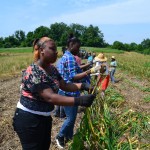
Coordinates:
[72,87]
[80,76]
[85,66]
[49,96]
[69,87]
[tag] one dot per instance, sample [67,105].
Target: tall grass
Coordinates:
[13,64]
[13,60]
[135,63]
[105,127]
[103,50]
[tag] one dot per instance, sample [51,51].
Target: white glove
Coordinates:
[95,69]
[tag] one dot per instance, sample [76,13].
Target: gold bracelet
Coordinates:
[86,73]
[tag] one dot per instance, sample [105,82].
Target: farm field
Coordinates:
[126,108]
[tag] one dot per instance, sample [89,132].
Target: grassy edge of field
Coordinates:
[14,60]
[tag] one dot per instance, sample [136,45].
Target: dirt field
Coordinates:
[9,95]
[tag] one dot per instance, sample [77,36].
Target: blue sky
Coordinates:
[119,20]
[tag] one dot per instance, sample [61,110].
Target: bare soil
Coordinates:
[9,95]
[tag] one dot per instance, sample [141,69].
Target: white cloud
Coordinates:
[129,11]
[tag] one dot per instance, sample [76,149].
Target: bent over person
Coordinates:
[40,83]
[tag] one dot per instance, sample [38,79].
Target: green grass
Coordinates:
[16,50]
[19,50]
[30,49]
[103,50]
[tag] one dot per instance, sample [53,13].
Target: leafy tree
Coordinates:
[93,37]
[41,31]
[139,48]
[63,39]
[127,47]
[59,32]
[7,45]
[29,38]
[89,36]
[118,45]
[11,41]
[145,43]
[20,36]
[1,42]
[77,29]
[133,46]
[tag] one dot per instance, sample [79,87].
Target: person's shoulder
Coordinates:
[69,56]
[52,66]
[30,68]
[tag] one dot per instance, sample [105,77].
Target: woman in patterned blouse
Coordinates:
[40,83]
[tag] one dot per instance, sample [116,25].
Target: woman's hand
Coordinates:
[86,87]
[85,100]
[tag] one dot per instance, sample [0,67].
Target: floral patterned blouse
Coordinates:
[35,79]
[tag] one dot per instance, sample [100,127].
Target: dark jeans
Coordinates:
[34,131]
[59,111]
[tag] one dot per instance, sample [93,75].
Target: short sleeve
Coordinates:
[35,80]
[36,88]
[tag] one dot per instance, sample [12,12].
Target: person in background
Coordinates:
[94,55]
[83,67]
[59,110]
[63,49]
[90,57]
[103,75]
[71,72]
[113,65]
[78,59]
[40,84]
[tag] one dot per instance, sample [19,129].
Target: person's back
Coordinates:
[68,68]
[90,58]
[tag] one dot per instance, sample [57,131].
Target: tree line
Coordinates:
[90,36]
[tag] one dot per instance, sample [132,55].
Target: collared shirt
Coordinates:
[113,64]
[68,68]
